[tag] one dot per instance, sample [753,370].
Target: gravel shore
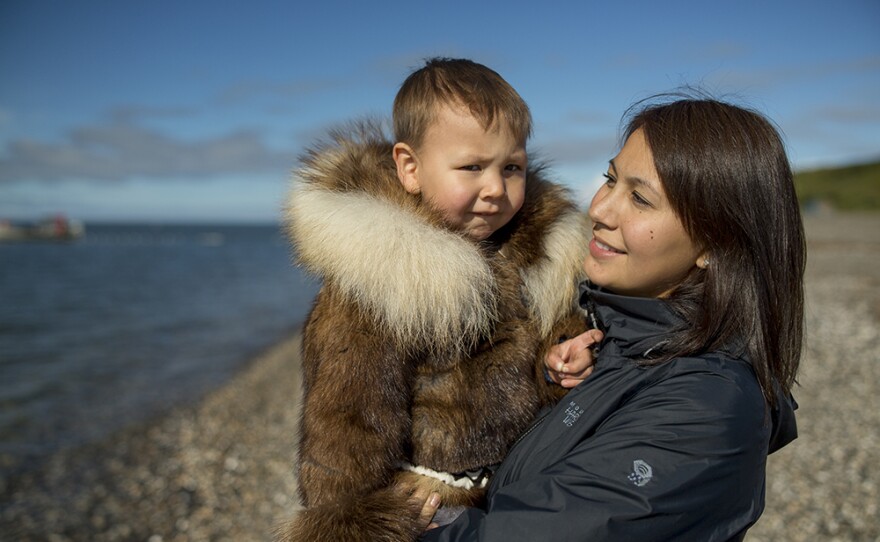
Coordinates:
[222,470]
[824,486]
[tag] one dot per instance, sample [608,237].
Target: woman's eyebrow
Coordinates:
[638,181]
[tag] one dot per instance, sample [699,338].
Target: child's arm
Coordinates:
[356,405]
[548,380]
[569,363]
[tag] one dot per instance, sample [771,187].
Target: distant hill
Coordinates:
[850,188]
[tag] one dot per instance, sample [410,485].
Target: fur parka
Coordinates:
[423,346]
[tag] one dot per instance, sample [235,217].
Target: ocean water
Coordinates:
[131,321]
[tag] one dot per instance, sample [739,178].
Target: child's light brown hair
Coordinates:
[458,82]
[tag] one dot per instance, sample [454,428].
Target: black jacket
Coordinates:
[675,451]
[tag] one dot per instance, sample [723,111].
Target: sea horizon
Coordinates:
[132,320]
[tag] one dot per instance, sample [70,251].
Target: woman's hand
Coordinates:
[570,362]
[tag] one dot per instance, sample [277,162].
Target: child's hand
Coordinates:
[569,363]
[430,504]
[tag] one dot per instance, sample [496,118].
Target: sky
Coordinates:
[197,111]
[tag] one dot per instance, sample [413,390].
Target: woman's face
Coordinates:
[639,246]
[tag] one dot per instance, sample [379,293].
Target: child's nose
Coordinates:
[495,185]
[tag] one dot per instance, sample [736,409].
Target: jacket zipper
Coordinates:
[531,428]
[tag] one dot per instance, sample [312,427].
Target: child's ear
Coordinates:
[407,167]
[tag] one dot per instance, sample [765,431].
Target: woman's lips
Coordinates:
[600,250]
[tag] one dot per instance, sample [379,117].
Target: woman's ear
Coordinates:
[407,167]
[703,260]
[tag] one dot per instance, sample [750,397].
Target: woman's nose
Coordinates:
[601,209]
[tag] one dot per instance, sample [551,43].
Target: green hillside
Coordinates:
[850,188]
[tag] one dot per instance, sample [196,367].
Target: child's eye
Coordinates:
[472,167]
[513,167]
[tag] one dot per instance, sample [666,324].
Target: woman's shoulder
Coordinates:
[712,386]
[719,364]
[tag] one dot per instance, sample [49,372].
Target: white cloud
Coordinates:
[798,73]
[121,150]
[575,150]
[248,90]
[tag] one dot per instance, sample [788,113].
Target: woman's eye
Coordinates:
[609,180]
[639,200]
[470,168]
[513,167]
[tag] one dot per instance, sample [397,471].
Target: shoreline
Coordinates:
[222,469]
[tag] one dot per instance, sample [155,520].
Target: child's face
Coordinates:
[476,178]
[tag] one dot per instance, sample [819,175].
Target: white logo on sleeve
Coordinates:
[641,474]
[572,413]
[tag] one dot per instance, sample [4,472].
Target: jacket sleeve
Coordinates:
[355,412]
[670,463]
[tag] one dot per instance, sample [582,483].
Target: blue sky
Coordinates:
[197,111]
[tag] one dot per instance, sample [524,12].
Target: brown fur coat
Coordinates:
[422,346]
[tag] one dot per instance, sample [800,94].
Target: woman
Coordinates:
[696,278]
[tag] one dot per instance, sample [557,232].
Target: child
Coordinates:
[449,269]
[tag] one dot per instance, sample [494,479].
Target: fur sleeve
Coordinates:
[386,515]
[565,328]
[356,404]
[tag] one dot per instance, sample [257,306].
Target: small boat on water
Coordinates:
[56,228]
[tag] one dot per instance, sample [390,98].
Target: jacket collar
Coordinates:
[633,326]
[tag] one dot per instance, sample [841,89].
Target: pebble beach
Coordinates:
[223,469]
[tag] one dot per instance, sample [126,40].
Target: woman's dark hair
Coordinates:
[727,177]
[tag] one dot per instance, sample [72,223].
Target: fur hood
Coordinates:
[353,225]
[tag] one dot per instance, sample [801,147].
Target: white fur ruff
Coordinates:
[428,286]
[464,482]
[552,283]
